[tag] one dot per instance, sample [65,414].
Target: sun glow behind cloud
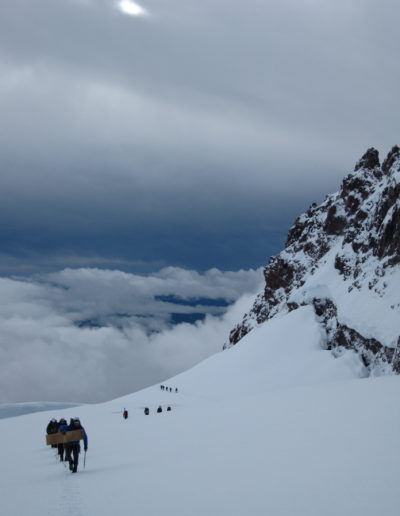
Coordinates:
[131,8]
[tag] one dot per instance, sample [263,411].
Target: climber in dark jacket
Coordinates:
[72,449]
[52,428]
[60,446]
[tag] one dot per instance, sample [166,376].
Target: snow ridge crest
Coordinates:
[343,258]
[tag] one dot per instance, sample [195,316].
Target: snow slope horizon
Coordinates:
[249,432]
[275,355]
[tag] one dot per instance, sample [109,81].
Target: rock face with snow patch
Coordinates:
[343,258]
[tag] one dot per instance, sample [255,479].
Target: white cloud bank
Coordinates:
[46,356]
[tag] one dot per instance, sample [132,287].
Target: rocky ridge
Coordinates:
[352,241]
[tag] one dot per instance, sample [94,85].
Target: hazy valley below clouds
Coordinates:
[88,335]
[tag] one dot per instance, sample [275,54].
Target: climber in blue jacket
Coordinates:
[73,448]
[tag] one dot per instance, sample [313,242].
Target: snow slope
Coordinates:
[273,426]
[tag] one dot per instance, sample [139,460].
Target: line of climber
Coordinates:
[168,389]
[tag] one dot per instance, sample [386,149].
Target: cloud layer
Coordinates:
[46,355]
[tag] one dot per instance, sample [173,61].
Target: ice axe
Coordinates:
[84,460]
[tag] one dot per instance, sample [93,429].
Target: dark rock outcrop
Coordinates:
[357,229]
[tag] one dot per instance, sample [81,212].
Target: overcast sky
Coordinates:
[190,135]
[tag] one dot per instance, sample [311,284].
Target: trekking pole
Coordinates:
[396,349]
[84,461]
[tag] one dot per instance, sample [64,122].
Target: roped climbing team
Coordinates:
[69,451]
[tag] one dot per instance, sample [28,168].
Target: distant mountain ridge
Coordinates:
[343,258]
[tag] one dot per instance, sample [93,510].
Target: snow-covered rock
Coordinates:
[343,259]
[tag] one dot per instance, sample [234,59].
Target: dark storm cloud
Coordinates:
[198,129]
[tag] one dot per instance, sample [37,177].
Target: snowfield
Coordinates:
[273,426]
